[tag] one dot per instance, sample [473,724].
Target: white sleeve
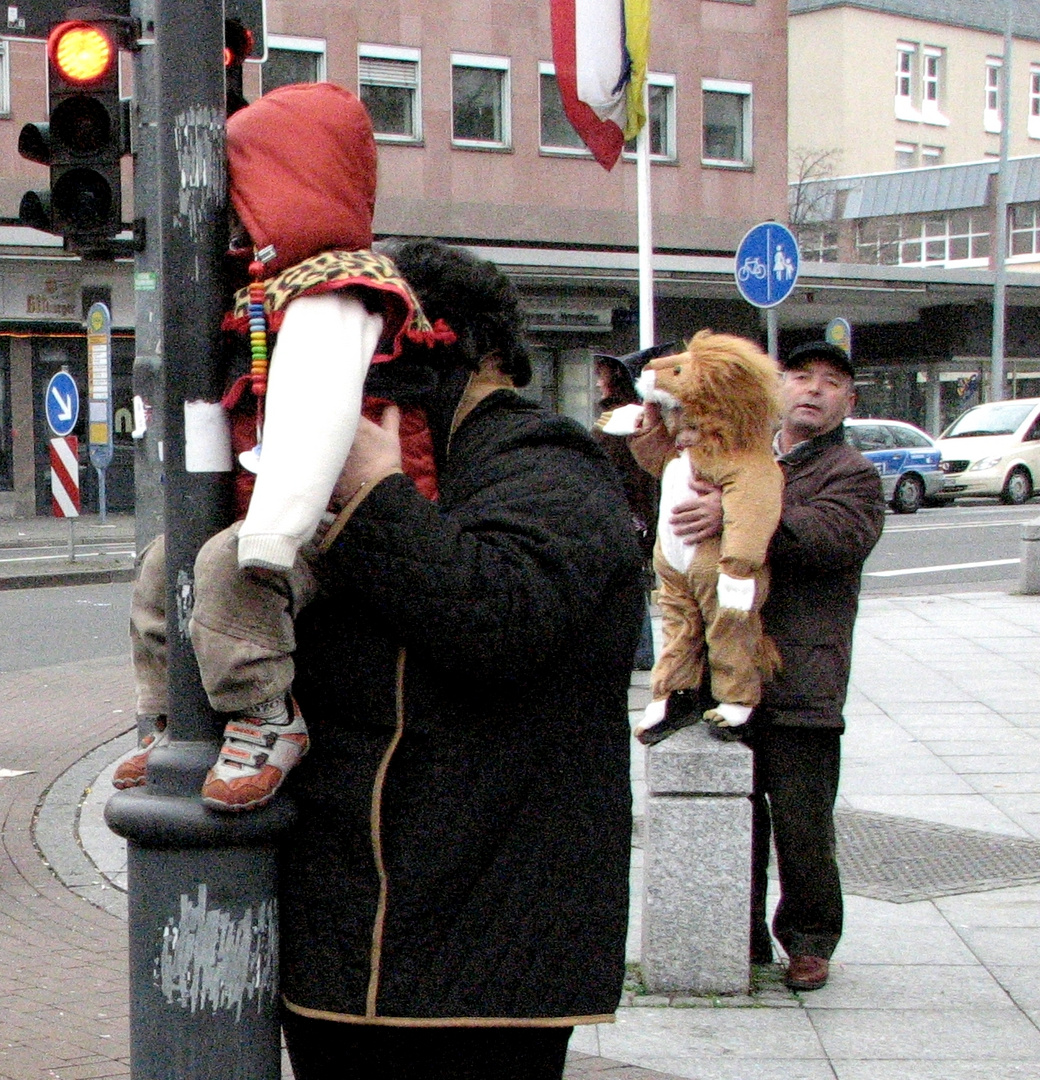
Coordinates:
[314,392]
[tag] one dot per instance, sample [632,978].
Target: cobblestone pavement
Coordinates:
[943,728]
[63,985]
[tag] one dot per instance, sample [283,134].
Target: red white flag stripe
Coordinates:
[599,50]
[65,477]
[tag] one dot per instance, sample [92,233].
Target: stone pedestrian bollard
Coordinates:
[697,866]
[1029,568]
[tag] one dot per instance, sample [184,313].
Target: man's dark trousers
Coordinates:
[796,773]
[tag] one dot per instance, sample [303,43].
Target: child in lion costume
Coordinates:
[720,400]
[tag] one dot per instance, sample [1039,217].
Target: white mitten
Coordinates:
[729,716]
[623,420]
[652,716]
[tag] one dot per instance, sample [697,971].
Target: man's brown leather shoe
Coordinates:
[807,972]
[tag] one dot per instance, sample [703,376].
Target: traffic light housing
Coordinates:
[85,138]
[238,44]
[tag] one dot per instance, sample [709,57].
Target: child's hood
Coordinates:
[302,171]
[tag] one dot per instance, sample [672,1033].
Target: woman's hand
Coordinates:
[375,454]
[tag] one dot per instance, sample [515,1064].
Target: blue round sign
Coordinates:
[62,404]
[766,266]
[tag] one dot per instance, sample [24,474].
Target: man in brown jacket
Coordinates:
[833,512]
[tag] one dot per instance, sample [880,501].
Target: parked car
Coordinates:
[906,459]
[994,449]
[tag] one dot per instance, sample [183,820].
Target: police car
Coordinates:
[906,459]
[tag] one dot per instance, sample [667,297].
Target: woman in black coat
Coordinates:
[456,893]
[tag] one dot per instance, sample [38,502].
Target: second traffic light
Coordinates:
[85,138]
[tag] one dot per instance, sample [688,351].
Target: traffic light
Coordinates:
[86,136]
[238,44]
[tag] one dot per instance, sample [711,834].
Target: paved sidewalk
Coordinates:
[944,727]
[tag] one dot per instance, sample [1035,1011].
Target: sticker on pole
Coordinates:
[62,403]
[766,267]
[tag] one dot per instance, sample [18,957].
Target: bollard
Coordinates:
[1029,568]
[697,874]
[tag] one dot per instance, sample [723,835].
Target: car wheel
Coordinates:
[1018,488]
[908,495]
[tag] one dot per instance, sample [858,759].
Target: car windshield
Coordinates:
[996,418]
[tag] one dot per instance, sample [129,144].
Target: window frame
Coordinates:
[906,80]
[744,90]
[991,102]
[933,69]
[290,43]
[505,94]
[5,79]
[1033,114]
[547,67]
[407,54]
[909,149]
[670,156]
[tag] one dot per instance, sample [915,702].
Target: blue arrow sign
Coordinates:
[766,267]
[62,403]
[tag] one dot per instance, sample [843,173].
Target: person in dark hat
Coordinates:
[617,389]
[833,512]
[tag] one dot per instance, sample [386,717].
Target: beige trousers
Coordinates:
[241,626]
[697,634]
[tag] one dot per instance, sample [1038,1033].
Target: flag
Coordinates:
[600,50]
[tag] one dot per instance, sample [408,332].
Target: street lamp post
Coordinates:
[202,885]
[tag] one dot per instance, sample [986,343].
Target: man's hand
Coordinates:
[376,453]
[700,518]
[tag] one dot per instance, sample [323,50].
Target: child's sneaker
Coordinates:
[131,772]
[260,747]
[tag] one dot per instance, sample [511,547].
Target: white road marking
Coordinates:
[940,569]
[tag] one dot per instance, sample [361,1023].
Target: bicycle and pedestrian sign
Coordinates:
[766,266]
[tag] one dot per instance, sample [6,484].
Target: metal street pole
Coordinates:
[147,372]
[202,886]
[997,383]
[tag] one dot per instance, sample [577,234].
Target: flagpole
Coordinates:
[645,228]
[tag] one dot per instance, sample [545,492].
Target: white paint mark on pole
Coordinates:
[209,959]
[199,138]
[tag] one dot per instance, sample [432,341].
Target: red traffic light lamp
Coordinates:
[86,135]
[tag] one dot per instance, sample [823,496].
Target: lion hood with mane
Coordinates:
[727,388]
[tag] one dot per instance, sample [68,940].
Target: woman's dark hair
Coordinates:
[473,297]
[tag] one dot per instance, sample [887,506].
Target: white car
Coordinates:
[994,449]
[907,460]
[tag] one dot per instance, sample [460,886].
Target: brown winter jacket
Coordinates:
[832,517]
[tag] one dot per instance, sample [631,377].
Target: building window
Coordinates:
[480,101]
[388,84]
[726,122]
[5,80]
[1025,229]
[556,134]
[906,64]
[661,91]
[292,60]
[961,236]
[1034,102]
[991,112]
[906,155]
[932,155]
[818,243]
[932,71]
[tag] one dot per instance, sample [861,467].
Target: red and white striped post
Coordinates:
[64,453]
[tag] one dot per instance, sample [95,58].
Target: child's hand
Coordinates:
[700,518]
[376,454]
